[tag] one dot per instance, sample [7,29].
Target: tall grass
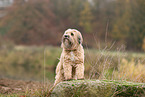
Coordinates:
[22,62]
[130,70]
[102,64]
[116,65]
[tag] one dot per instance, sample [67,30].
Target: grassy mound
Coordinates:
[98,88]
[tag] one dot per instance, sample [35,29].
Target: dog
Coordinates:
[71,64]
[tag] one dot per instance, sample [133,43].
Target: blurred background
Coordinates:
[113,32]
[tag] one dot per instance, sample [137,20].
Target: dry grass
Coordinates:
[130,70]
[99,64]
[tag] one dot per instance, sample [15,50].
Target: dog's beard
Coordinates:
[67,43]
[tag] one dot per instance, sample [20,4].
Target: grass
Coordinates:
[130,70]
[99,64]
[31,60]
[109,65]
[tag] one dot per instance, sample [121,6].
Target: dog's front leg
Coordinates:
[67,71]
[80,71]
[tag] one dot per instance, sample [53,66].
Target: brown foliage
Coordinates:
[43,21]
[30,23]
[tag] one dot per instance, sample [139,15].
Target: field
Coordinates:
[33,66]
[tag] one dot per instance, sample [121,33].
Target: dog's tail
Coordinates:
[50,91]
[58,78]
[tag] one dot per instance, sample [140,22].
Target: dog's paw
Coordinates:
[68,79]
[81,79]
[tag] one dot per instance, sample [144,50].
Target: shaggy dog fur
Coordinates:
[71,65]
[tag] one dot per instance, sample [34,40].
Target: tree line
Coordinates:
[43,21]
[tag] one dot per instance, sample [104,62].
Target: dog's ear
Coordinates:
[80,39]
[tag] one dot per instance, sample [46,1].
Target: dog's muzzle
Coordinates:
[67,40]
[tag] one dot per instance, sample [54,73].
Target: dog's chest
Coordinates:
[72,56]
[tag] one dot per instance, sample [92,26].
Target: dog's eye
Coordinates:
[72,34]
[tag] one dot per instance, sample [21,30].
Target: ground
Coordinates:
[92,88]
[9,86]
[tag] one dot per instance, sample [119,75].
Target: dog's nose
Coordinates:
[66,36]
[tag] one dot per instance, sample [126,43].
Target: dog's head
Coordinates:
[71,39]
